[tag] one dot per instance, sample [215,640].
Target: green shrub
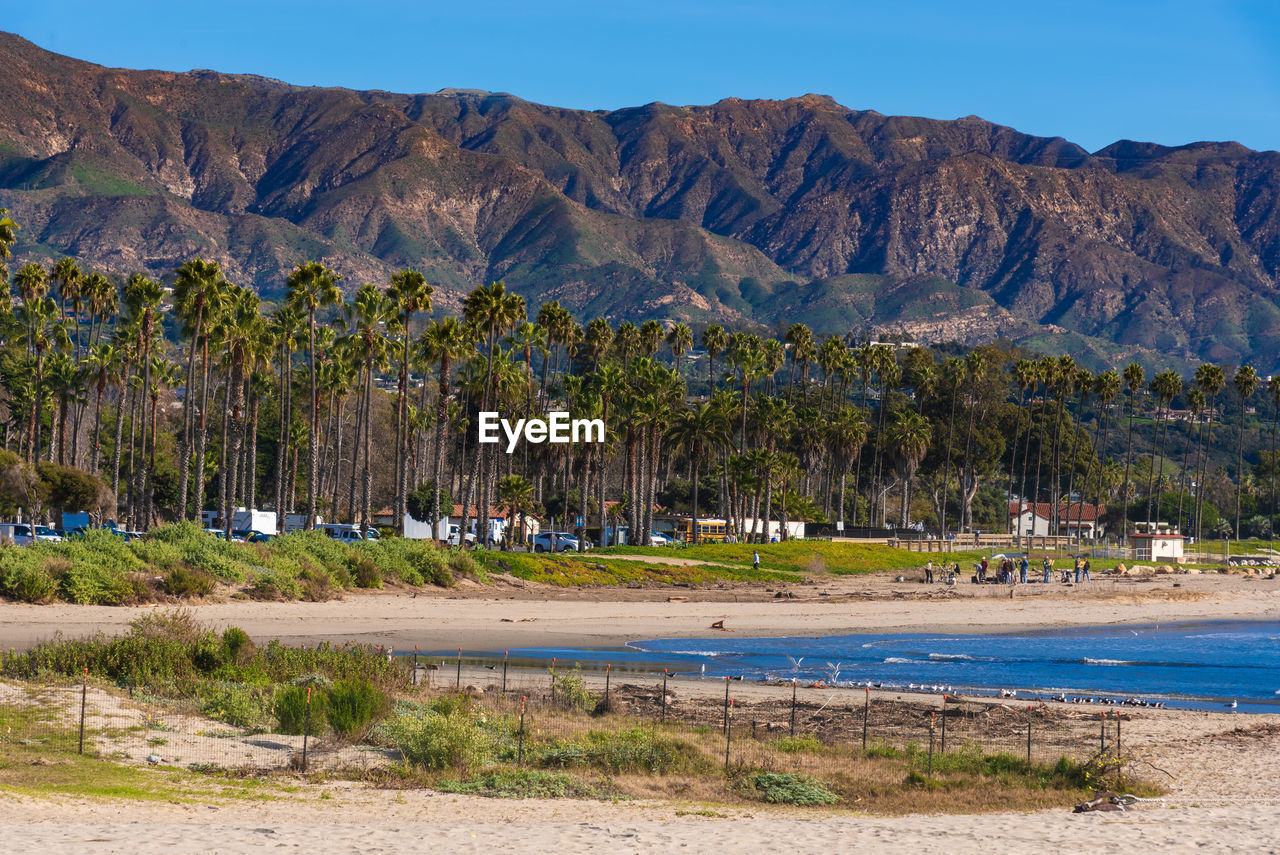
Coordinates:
[290,709]
[366,573]
[24,577]
[91,584]
[570,691]
[188,582]
[234,642]
[796,744]
[353,704]
[522,784]
[436,741]
[787,788]
[237,705]
[462,564]
[634,750]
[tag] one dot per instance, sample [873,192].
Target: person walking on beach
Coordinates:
[928,571]
[1077,568]
[1085,568]
[755,560]
[1022,569]
[1048,569]
[982,571]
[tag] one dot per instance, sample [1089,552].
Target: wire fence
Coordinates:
[541,712]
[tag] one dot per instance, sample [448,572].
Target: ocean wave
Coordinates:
[1088,661]
[898,660]
[690,652]
[951,657]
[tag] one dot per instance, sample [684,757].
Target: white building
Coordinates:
[1074,518]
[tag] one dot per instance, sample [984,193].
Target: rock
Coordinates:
[1164,569]
[1122,570]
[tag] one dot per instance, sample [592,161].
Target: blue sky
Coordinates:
[1171,72]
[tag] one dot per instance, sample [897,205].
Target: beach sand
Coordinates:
[1222,771]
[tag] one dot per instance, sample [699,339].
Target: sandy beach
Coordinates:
[510,613]
[1219,769]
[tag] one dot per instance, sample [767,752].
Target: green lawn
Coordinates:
[801,556]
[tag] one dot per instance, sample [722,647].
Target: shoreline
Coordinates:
[503,616]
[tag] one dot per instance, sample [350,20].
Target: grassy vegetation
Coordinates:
[798,556]
[101,568]
[566,570]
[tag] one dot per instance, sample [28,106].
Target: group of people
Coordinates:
[1010,568]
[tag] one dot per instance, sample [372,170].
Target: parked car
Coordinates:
[248,535]
[657,538]
[453,536]
[26,534]
[557,541]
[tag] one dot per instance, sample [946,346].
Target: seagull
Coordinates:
[1231,705]
[704,669]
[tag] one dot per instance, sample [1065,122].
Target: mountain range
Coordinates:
[749,213]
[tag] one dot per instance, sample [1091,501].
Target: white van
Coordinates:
[348,533]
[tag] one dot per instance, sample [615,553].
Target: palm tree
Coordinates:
[311,287]
[444,341]
[367,315]
[846,433]
[8,236]
[143,297]
[1165,386]
[1246,383]
[492,311]
[1107,385]
[597,338]
[1211,380]
[515,496]
[1134,379]
[197,297]
[409,294]
[714,340]
[283,328]
[1026,373]
[44,331]
[699,429]
[680,338]
[651,335]
[103,366]
[908,440]
[610,383]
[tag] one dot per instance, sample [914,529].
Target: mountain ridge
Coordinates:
[738,211]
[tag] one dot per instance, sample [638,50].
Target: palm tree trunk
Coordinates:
[202,436]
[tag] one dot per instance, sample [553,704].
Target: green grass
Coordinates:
[526,784]
[800,556]
[604,569]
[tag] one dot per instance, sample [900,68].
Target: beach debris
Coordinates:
[677,599]
[154,759]
[720,626]
[1104,802]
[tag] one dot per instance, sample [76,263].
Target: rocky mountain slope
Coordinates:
[742,211]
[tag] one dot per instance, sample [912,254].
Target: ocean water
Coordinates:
[1199,665]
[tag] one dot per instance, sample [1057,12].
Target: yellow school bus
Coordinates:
[709,531]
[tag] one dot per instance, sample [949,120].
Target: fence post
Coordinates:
[505,654]
[930,772]
[726,705]
[457,683]
[793,706]
[664,695]
[84,694]
[728,732]
[306,729]
[553,681]
[1118,766]
[1102,735]
[414,680]
[1028,737]
[520,735]
[866,711]
[608,668]
[944,723]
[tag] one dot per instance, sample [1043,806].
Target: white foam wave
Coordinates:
[898,660]
[1089,661]
[951,657]
[690,652]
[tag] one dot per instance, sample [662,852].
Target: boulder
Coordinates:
[1164,569]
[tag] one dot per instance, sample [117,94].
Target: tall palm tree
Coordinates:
[680,338]
[907,439]
[515,496]
[143,297]
[1107,385]
[1026,374]
[410,294]
[1211,380]
[198,288]
[1246,383]
[493,311]
[610,384]
[1165,386]
[699,429]
[367,315]
[846,434]
[714,340]
[597,338]
[103,366]
[444,341]
[312,286]
[1134,380]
